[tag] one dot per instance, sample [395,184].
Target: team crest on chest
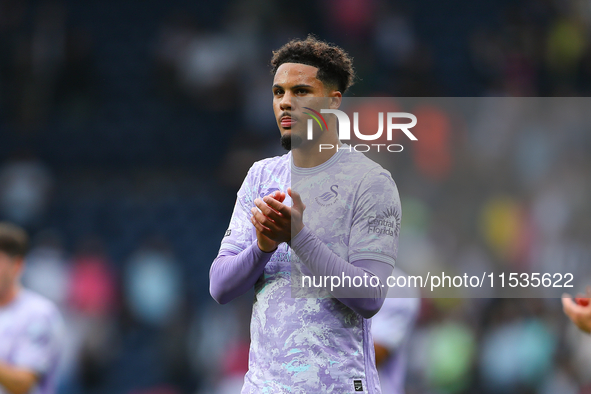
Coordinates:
[329,197]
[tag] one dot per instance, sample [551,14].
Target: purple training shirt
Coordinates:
[312,345]
[31,337]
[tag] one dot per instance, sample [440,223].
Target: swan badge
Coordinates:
[329,197]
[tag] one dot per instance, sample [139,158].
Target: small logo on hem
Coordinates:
[358,385]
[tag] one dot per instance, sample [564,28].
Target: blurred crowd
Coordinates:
[500,190]
[127,127]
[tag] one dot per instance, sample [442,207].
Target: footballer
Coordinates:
[310,209]
[31,330]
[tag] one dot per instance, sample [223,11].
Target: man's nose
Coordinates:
[285,101]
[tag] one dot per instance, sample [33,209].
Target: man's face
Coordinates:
[294,80]
[10,268]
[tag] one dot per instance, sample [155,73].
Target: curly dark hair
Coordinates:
[335,66]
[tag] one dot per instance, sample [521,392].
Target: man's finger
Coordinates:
[260,228]
[266,209]
[256,224]
[278,206]
[297,200]
[571,309]
[263,219]
[278,195]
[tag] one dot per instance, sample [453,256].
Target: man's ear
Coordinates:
[335,99]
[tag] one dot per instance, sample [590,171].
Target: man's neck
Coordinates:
[316,153]
[9,295]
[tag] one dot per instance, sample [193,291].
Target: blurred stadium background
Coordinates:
[127,127]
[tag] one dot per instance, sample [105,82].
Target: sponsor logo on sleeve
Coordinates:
[385,223]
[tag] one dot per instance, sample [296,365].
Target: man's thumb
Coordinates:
[297,200]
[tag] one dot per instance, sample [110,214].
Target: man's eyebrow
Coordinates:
[293,87]
[302,85]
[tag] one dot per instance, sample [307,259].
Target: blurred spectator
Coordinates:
[90,315]
[47,271]
[516,356]
[42,61]
[203,63]
[350,19]
[93,288]
[442,357]
[394,38]
[45,66]
[502,223]
[433,155]
[153,285]
[153,326]
[220,355]
[566,44]
[25,186]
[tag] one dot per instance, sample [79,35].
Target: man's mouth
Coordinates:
[287,122]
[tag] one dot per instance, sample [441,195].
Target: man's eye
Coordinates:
[302,91]
[277,92]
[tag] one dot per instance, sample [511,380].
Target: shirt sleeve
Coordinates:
[240,262]
[376,219]
[39,345]
[321,261]
[232,275]
[240,233]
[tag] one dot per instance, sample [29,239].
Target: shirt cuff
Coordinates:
[259,253]
[301,238]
